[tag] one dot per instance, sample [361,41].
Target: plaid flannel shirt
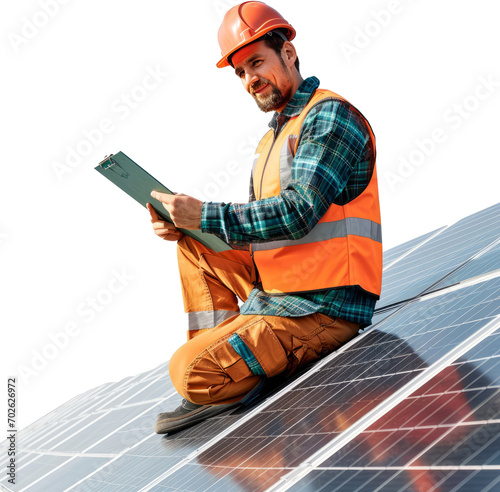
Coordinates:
[333,164]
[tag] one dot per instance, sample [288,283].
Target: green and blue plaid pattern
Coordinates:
[244,352]
[333,164]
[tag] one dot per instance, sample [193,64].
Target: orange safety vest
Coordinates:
[344,248]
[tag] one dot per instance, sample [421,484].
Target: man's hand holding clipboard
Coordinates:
[184,210]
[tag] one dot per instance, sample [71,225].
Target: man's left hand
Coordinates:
[184,210]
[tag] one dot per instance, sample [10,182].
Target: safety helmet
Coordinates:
[246,23]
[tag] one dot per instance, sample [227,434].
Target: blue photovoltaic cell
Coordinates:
[440,256]
[31,440]
[327,403]
[397,252]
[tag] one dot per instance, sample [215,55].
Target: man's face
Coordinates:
[264,75]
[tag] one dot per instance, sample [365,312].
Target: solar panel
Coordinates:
[380,315]
[444,435]
[64,475]
[396,253]
[412,403]
[438,257]
[486,262]
[343,392]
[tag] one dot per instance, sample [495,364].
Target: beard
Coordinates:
[273,100]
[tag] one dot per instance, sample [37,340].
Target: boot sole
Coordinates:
[175,424]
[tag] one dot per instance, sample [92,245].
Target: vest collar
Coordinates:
[296,104]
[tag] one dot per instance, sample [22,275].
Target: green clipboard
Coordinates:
[138,183]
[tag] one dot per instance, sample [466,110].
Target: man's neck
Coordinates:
[296,81]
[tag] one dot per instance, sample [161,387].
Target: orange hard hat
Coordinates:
[245,23]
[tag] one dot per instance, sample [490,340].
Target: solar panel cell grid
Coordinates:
[347,388]
[485,263]
[450,420]
[146,391]
[440,256]
[408,481]
[443,424]
[381,315]
[393,254]
[72,471]
[100,426]
[63,431]
[127,435]
[33,466]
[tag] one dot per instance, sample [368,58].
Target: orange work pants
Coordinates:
[207,370]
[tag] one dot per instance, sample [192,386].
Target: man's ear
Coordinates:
[288,54]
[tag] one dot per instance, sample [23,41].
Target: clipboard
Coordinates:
[138,183]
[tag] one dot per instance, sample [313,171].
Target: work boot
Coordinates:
[188,414]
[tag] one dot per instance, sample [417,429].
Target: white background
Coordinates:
[411,67]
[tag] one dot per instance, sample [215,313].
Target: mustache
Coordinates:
[258,85]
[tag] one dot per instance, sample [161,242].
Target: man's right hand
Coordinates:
[162,228]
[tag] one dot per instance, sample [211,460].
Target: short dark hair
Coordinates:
[273,41]
[276,43]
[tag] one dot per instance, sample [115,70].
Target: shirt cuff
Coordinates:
[215,219]
[210,217]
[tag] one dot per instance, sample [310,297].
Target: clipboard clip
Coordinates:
[108,162]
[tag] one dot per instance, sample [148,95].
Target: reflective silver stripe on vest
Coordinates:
[200,320]
[329,230]
[251,197]
[286,157]
[255,159]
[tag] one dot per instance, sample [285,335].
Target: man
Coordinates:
[307,257]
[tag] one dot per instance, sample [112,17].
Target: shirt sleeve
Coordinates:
[332,142]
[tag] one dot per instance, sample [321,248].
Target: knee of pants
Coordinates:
[192,362]
[177,367]
[202,381]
